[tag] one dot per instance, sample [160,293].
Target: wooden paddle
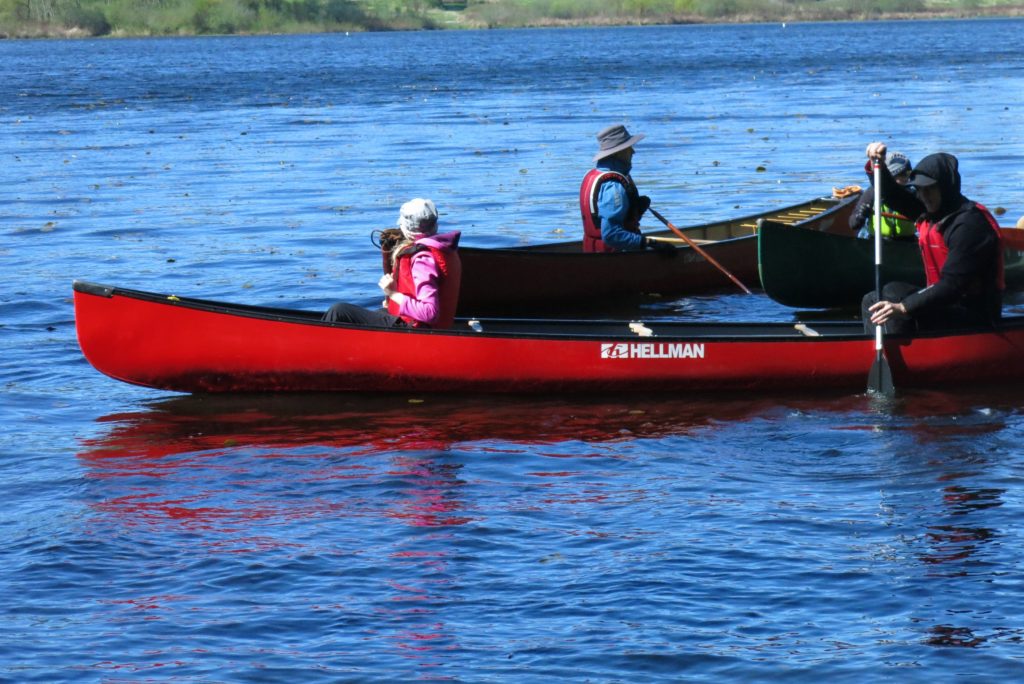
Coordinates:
[880,375]
[699,250]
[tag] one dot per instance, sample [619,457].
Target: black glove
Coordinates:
[643,204]
[659,246]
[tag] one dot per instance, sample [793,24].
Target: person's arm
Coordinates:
[426,277]
[862,210]
[613,206]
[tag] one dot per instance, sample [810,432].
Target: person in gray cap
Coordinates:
[894,225]
[961,247]
[610,204]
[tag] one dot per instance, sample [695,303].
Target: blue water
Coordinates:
[151,537]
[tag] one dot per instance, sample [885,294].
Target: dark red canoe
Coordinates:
[560,276]
[190,345]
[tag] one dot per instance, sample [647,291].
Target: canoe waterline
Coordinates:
[190,345]
[811,269]
[555,276]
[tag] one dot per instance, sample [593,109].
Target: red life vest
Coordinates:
[589,189]
[450,266]
[934,249]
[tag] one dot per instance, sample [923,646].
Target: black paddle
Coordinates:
[880,375]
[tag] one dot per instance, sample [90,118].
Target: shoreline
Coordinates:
[458,23]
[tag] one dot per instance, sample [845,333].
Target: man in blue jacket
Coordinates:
[610,204]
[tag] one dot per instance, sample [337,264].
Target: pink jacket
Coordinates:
[432,297]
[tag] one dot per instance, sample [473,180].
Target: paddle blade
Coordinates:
[880,378]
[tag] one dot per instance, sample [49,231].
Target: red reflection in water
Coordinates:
[963,500]
[188,432]
[149,508]
[955,543]
[953,548]
[233,470]
[235,466]
[202,426]
[433,500]
[144,603]
[417,603]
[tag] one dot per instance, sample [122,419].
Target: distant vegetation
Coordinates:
[67,18]
[548,12]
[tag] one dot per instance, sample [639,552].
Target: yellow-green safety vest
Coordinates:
[894,225]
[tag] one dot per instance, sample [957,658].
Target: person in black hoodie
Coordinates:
[960,245]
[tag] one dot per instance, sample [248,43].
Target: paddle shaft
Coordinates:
[699,250]
[878,243]
[880,375]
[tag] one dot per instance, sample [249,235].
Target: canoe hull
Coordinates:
[816,270]
[561,276]
[194,346]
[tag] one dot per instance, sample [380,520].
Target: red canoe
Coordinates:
[190,345]
[560,275]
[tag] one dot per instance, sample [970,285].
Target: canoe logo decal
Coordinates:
[651,350]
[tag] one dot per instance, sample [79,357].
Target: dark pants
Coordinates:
[947,317]
[357,315]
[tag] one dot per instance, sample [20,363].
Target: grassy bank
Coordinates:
[521,13]
[71,18]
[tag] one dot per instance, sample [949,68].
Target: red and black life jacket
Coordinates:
[589,190]
[450,266]
[934,250]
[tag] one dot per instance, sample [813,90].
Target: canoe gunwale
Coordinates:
[817,208]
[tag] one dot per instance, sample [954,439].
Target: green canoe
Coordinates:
[810,269]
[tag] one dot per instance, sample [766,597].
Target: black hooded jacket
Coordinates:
[970,276]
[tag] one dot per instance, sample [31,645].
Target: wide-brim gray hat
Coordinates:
[615,139]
